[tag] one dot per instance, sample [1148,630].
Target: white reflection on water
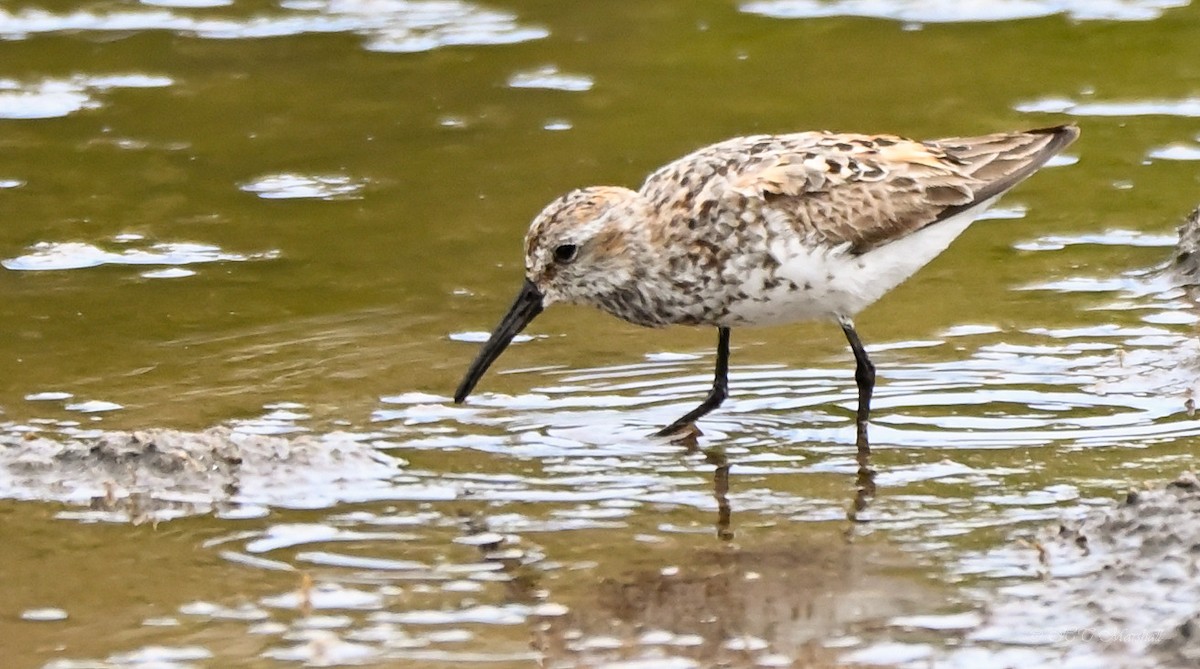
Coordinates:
[1188,107]
[387,25]
[290,186]
[956,11]
[1175,152]
[550,77]
[47,256]
[191,4]
[1114,237]
[53,98]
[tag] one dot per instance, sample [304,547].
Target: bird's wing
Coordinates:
[862,191]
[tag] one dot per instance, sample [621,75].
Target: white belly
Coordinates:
[824,283]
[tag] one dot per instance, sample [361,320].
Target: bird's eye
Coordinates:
[565,253]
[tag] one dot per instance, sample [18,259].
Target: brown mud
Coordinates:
[153,475]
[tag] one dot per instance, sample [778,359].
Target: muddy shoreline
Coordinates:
[1117,587]
[154,475]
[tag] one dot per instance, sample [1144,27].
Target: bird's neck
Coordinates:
[637,284]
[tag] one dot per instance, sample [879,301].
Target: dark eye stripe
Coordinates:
[565,253]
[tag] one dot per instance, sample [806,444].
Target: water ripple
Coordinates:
[53,98]
[387,25]
[1175,152]
[1186,107]
[549,77]
[957,11]
[47,256]
[289,186]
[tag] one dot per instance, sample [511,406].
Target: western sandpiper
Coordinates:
[765,230]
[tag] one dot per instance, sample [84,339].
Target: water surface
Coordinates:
[295,217]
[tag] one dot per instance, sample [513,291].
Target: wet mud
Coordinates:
[1117,588]
[154,475]
[1186,261]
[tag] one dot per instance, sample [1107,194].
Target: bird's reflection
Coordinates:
[715,456]
[864,488]
[768,599]
[864,481]
[772,596]
[718,459]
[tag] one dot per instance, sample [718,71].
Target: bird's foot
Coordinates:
[685,433]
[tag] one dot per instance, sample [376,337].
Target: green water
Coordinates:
[343,308]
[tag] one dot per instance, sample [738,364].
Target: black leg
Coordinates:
[720,389]
[864,375]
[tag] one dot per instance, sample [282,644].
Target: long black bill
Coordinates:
[523,310]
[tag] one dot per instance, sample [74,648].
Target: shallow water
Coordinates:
[298,217]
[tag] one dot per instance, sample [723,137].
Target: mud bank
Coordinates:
[1119,588]
[155,475]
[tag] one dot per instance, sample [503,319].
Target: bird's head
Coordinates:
[575,252]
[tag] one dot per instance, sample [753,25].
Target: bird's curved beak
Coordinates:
[523,310]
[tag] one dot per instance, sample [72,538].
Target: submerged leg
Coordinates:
[864,375]
[721,492]
[720,389]
[864,488]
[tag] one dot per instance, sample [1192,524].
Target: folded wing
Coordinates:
[863,191]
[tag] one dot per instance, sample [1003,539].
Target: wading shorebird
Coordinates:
[766,230]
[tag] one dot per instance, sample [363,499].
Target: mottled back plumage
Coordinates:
[860,190]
